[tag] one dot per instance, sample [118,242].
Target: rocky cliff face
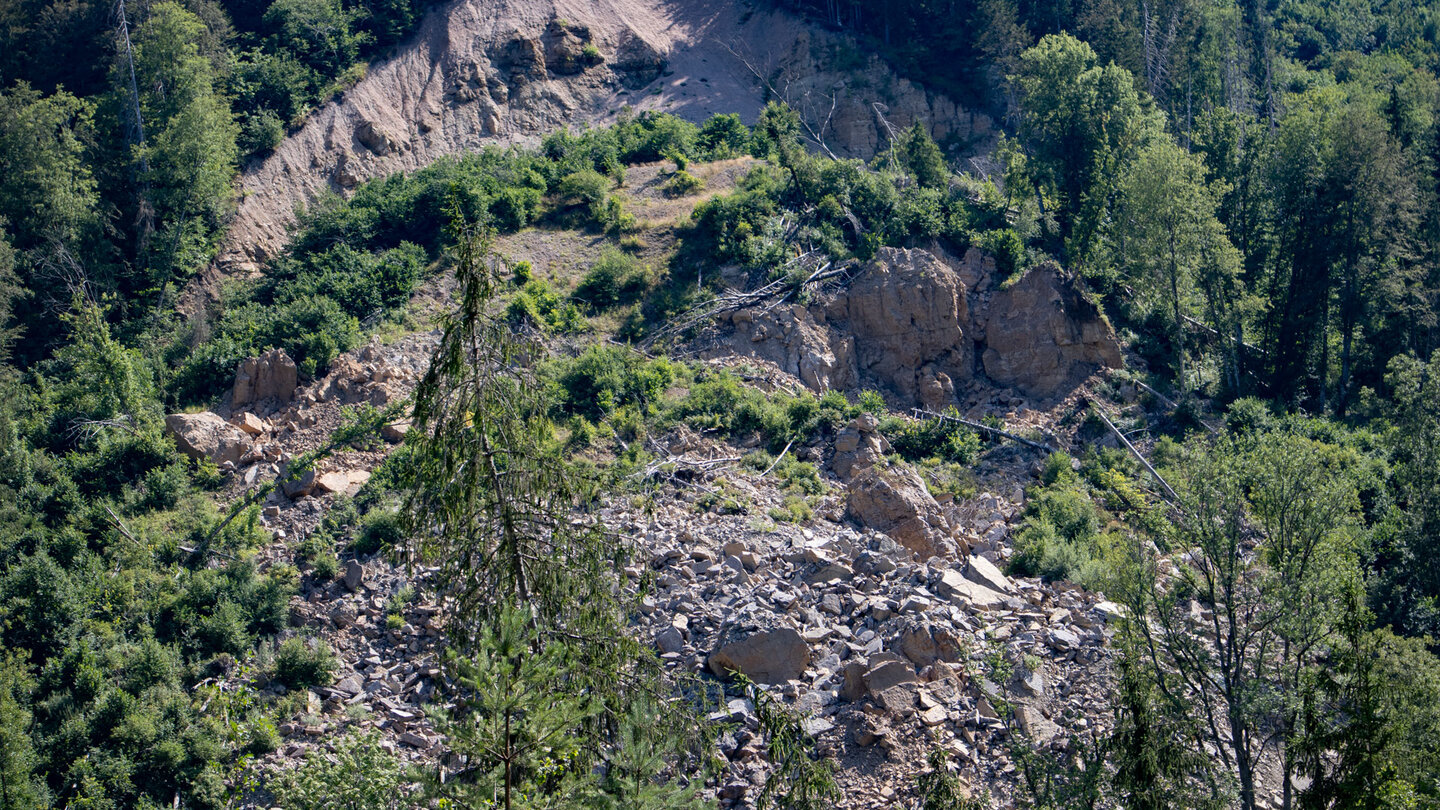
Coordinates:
[916,325]
[505,71]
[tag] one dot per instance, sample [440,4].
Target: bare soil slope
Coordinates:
[507,71]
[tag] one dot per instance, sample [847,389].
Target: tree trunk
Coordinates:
[1179,319]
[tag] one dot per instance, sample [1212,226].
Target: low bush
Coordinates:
[616,279]
[301,663]
[681,183]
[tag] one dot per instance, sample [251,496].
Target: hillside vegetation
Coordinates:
[563,526]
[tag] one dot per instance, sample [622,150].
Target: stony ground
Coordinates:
[882,648]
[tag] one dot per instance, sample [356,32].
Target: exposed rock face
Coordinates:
[894,500]
[270,376]
[768,655]
[912,323]
[206,435]
[509,71]
[1040,331]
[857,446]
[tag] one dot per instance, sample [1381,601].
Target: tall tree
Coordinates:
[1080,124]
[1257,604]
[50,206]
[1170,244]
[531,584]
[187,161]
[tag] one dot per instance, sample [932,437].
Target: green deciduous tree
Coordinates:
[1169,244]
[1080,124]
[187,160]
[1260,599]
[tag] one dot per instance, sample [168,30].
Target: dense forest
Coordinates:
[1250,192]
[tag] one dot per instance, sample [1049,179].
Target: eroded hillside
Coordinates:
[483,72]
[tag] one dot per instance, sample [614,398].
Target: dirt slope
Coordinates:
[506,71]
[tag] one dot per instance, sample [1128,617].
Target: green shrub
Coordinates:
[605,378]
[681,183]
[379,529]
[1008,249]
[301,663]
[538,305]
[616,279]
[360,775]
[933,438]
[872,402]
[794,509]
[261,133]
[723,136]
[583,188]
[1059,469]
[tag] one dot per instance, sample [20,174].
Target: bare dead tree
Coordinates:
[805,111]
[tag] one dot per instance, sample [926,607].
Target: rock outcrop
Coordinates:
[1040,333]
[271,376]
[916,325]
[207,435]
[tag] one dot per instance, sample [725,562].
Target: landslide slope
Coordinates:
[484,72]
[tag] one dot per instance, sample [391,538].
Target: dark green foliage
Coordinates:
[380,529]
[605,378]
[301,663]
[933,438]
[20,787]
[723,136]
[916,151]
[616,279]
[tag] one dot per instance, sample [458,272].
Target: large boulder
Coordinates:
[765,655]
[1042,336]
[955,587]
[912,322]
[272,375]
[893,500]
[206,435]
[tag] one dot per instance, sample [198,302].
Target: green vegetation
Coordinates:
[1248,192]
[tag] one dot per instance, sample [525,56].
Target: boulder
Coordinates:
[332,482]
[894,500]
[206,435]
[1042,336]
[272,375]
[954,586]
[1035,725]
[251,424]
[858,446]
[983,572]
[354,575]
[376,139]
[889,674]
[767,655]
[301,486]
